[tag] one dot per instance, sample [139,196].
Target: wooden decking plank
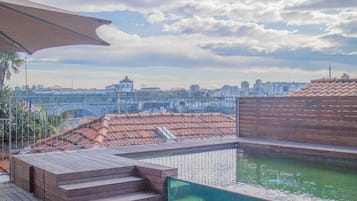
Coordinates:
[10,192]
[89,184]
[132,196]
[297,145]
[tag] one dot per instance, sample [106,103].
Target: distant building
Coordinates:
[111,87]
[147,93]
[194,90]
[150,89]
[245,88]
[126,85]
[286,88]
[230,91]
[179,92]
[257,88]
[268,89]
[70,91]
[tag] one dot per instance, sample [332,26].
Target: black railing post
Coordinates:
[237,116]
[10,139]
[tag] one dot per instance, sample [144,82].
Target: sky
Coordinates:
[176,43]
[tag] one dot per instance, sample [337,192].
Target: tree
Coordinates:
[9,62]
[5,93]
[345,76]
[27,123]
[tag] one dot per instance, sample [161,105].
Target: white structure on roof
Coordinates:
[126,85]
[166,133]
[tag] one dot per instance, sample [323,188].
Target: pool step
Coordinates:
[102,188]
[93,175]
[137,196]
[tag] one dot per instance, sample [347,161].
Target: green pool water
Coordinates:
[271,176]
[331,179]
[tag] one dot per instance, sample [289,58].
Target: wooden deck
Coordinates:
[101,173]
[10,192]
[94,159]
[318,149]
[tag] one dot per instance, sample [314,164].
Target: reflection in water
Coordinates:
[298,175]
[213,167]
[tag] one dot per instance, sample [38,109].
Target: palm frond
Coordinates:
[19,62]
[9,62]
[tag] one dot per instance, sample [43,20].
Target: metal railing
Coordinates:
[225,105]
[4,145]
[4,149]
[216,167]
[56,123]
[33,119]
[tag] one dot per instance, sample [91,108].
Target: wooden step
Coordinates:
[102,188]
[78,177]
[137,196]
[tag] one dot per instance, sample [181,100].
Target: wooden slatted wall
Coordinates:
[320,120]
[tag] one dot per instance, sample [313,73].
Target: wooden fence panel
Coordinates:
[319,120]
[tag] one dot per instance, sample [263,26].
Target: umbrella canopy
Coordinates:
[26,26]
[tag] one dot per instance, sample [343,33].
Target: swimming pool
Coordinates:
[271,176]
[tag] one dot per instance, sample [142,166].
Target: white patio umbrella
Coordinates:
[26,26]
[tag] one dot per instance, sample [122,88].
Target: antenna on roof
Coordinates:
[329,72]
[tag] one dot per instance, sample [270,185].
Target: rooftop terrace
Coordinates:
[289,124]
[77,170]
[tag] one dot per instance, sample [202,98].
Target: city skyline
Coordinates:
[143,86]
[176,43]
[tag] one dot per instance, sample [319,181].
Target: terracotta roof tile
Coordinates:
[4,166]
[130,129]
[327,87]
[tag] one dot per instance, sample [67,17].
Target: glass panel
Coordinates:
[180,190]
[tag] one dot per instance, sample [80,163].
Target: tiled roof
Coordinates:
[136,129]
[4,166]
[329,87]
[133,129]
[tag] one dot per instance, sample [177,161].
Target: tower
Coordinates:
[126,85]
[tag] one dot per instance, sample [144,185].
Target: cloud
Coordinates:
[133,50]
[295,12]
[343,46]
[325,4]
[108,5]
[194,51]
[346,25]
[308,17]
[218,34]
[212,26]
[239,10]
[156,17]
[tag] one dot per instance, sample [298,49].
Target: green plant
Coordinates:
[10,62]
[5,93]
[28,123]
